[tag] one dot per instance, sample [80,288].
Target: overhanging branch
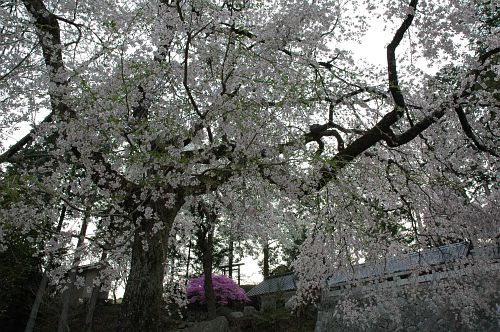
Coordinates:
[14,149]
[382,130]
[467,128]
[392,71]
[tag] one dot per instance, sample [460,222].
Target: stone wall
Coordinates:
[275,300]
[435,304]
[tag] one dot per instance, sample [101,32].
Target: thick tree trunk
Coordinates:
[207,272]
[142,301]
[204,243]
[265,268]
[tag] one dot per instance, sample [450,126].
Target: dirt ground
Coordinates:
[106,318]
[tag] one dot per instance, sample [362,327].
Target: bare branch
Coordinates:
[19,63]
[9,154]
[394,87]
[382,129]
[470,133]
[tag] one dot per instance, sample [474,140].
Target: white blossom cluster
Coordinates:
[141,109]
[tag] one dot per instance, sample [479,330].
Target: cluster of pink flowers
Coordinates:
[226,290]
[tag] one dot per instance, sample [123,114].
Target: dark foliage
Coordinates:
[20,276]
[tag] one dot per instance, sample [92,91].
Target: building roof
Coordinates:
[408,262]
[274,284]
[427,257]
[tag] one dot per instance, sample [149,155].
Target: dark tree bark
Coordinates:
[265,263]
[207,272]
[205,246]
[231,258]
[36,304]
[89,317]
[142,301]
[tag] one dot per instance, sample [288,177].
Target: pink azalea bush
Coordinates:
[226,290]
